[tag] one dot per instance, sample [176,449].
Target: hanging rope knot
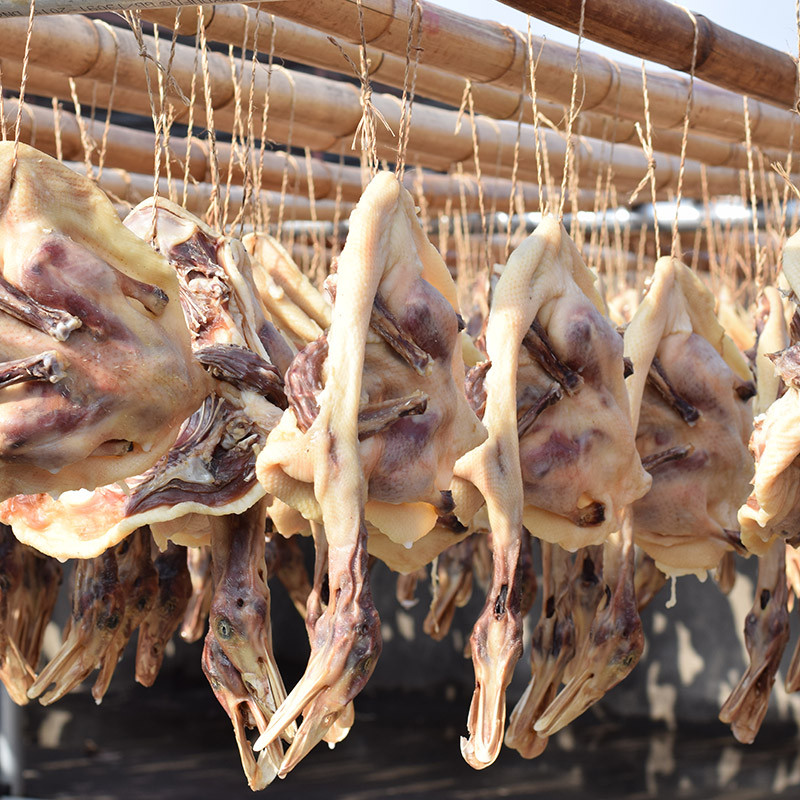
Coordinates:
[647,147]
[366,130]
[784,173]
[131,18]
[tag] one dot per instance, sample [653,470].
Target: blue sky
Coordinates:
[773,24]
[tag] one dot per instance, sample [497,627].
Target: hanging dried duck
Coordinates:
[560,457]
[89,316]
[690,392]
[210,468]
[377,418]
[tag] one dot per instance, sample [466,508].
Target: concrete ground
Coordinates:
[175,742]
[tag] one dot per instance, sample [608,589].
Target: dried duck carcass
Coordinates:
[377,419]
[210,468]
[766,626]
[560,457]
[89,316]
[690,392]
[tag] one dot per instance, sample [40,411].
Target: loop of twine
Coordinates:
[467,103]
[760,254]
[337,205]
[317,260]
[25,59]
[251,193]
[262,218]
[684,139]
[647,146]
[366,128]
[413,42]
[236,136]
[3,131]
[289,157]
[514,171]
[87,142]
[107,125]
[57,127]
[166,108]
[535,111]
[573,113]
[134,20]
[187,174]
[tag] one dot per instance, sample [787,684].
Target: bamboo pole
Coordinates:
[131,188]
[130,149]
[296,42]
[316,103]
[660,31]
[44,83]
[487,52]
[20,8]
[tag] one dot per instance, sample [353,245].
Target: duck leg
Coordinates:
[766,632]
[648,579]
[167,613]
[613,647]
[48,366]
[98,605]
[587,594]
[41,582]
[304,382]
[198,562]
[345,644]
[406,588]
[389,328]
[537,343]
[658,379]
[139,581]
[285,561]
[55,322]
[316,603]
[240,607]
[725,573]
[244,369]
[552,647]
[529,584]
[793,585]
[15,672]
[453,587]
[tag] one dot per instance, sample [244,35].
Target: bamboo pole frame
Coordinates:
[660,31]
[79,46]
[451,40]
[230,23]
[44,83]
[129,149]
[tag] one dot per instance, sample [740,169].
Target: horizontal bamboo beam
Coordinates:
[44,83]
[453,41]
[79,46]
[130,188]
[239,25]
[21,8]
[660,31]
[131,150]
